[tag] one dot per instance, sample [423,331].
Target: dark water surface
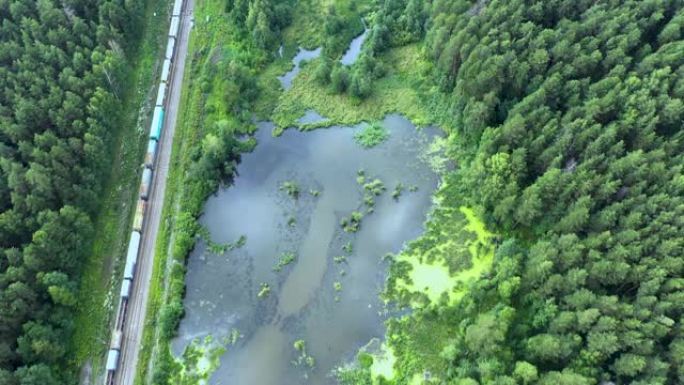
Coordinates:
[303,303]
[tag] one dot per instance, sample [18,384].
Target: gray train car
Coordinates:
[174,27]
[166,70]
[132,255]
[145,184]
[117,338]
[151,153]
[170,48]
[161,94]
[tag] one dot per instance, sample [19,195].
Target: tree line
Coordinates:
[569,122]
[62,67]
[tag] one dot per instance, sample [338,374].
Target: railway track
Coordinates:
[122,357]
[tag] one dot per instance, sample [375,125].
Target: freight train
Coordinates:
[134,244]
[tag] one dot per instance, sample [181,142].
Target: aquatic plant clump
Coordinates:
[285,259]
[304,358]
[371,135]
[264,290]
[353,223]
[291,188]
[398,189]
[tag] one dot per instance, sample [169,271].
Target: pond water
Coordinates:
[302,54]
[332,305]
[354,49]
[311,117]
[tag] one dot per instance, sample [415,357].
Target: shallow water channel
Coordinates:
[302,55]
[332,305]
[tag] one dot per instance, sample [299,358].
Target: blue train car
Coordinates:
[157,123]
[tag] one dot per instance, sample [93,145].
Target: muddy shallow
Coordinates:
[222,290]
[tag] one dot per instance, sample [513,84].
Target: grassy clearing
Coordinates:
[100,280]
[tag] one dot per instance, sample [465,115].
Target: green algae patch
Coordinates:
[383,364]
[456,249]
[433,280]
[199,360]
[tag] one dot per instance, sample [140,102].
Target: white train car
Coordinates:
[161,94]
[177,7]
[132,255]
[112,360]
[125,289]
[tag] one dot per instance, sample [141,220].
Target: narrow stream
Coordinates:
[302,54]
[332,305]
[354,49]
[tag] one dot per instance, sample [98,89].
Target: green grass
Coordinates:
[100,281]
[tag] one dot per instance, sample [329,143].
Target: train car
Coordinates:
[132,255]
[125,289]
[166,70]
[157,123]
[139,217]
[177,7]
[151,153]
[170,47]
[145,183]
[161,94]
[112,360]
[175,26]
[117,337]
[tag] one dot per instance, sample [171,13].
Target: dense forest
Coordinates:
[568,118]
[62,74]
